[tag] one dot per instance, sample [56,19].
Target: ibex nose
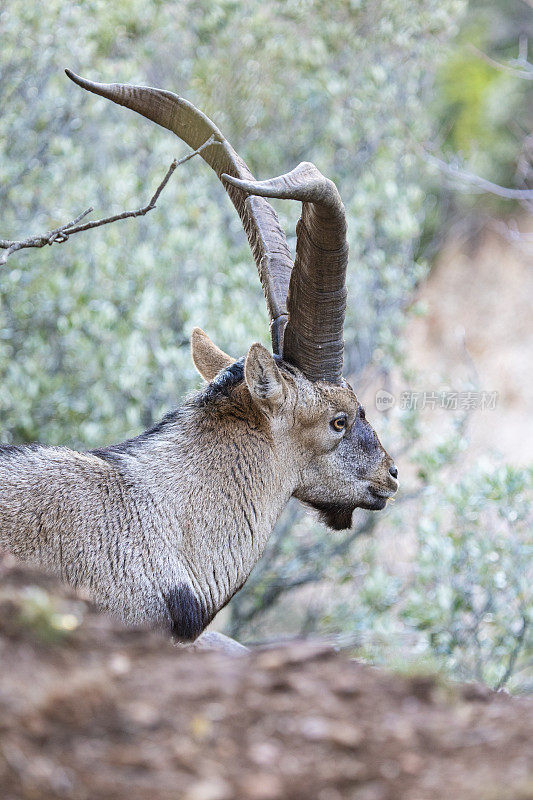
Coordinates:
[393,471]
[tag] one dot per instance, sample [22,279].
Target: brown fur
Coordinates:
[208,359]
[165,528]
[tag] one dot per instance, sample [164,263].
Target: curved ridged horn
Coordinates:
[266,238]
[316,302]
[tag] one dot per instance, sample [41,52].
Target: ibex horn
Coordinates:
[267,240]
[316,301]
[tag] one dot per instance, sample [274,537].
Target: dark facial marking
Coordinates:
[365,441]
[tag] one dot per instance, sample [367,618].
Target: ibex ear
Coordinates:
[207,357]
[263,377]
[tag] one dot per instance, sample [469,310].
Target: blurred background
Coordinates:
[422,114]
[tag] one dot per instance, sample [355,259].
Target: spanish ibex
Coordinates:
[166,527]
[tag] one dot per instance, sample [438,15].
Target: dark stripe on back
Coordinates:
[11,450]
[222,385]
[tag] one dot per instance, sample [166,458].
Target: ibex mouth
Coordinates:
[376,503]
[378,498]
[338,517]
[379,492]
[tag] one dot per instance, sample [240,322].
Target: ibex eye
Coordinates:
[339,424]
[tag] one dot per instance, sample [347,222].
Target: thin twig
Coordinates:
[515,652]
[517,67]
[57,235]
[283,584]
[475,180]
[62,233]
[522,50]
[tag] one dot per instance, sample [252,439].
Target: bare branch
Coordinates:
[522,49]
[519,67]
[63,232]
[513,655]
[57,235]
[479,183]
[276,580]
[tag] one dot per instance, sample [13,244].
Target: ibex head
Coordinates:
[298,394]
[318,429]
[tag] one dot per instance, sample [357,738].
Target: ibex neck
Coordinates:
[220,488]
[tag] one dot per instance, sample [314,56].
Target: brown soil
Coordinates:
[102,712]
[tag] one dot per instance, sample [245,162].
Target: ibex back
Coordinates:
[166,527]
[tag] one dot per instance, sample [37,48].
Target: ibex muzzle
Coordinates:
[166,527]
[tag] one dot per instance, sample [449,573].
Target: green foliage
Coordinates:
[479,104]
[472,593]
[94,333]
[486,113]
[33,612]
[466,83]
[464,603]
[446,584]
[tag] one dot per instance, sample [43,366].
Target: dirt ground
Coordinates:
[90,710]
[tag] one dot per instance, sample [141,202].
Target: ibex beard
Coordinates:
[164,528]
